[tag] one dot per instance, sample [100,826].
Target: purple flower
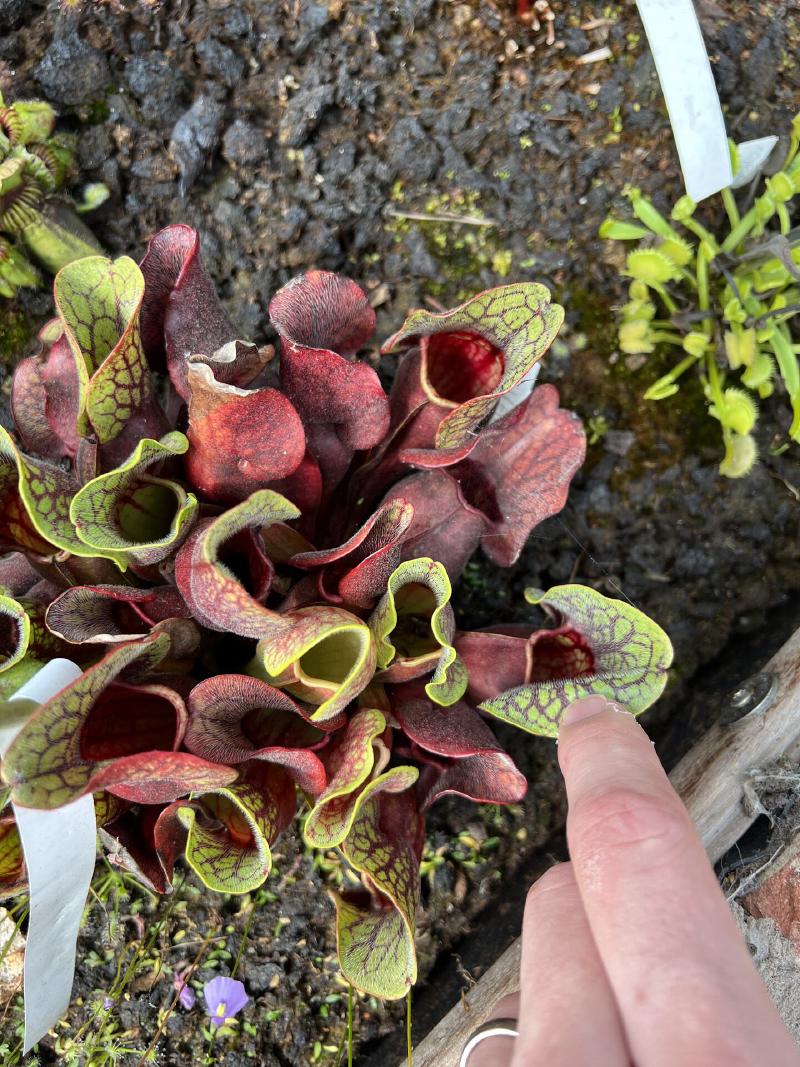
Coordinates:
[225,997]
[186,995]
[108,1003]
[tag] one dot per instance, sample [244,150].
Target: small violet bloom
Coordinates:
[186,994]
[108,1003]
[225,998]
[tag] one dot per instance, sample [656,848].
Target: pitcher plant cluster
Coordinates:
[39,226]
[252,560]
[726,300]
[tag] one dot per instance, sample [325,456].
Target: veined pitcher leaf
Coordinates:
[46,492]
[181,313]
[468,760]
[322,318]
[414,626]
[235,719]
[477,352]
[241,439]
[106,614]
[356,572]
[517,471]
[15,632]
[597,646]
[349,763]
[229,831]
[99,301]
[325,657]
[128,511]
[13,878]
[93,736]
[376,938]
[217,597]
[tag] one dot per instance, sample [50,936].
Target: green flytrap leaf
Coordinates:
[413,626]
[98,302]
[351,764]
[376,941]
[325,657]
[130,511]
[57,237]
[598,646]
[32,121]
[735,280]
[15,270]
[46,493]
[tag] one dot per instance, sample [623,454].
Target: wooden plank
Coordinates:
[712,777]
[711,780]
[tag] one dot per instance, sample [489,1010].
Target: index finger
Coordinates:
[682,977]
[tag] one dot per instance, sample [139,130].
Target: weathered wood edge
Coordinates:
[711,780]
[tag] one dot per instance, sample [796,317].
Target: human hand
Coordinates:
[630,954]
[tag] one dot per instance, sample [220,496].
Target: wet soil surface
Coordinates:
[298,134]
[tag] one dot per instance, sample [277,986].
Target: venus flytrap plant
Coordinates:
[35,220]
[260,600]
[727,302]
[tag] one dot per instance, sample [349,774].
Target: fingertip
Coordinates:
[588,708]
[594,727]
[585,708]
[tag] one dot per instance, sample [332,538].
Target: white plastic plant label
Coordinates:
[752,157]
[514,397]
[59,850]
[692,102]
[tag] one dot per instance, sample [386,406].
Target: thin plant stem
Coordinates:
[409,1044]
[138,954]
[245,935]
[732,208]
[665,337]
[195,964]
[679,368]
[669,303]
[14,932]
[699,230]
[739,232]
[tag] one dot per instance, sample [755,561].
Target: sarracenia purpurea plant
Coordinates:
[253,564]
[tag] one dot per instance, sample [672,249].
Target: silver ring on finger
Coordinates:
[492,1028]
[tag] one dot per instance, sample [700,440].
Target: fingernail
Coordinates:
[585,708]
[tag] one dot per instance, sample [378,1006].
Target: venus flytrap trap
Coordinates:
[36,222]
[726,301]
[260,599]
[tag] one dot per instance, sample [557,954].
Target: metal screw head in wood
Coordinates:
[751,698]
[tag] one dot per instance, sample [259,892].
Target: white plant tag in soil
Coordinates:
[688,85]
[59,850]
